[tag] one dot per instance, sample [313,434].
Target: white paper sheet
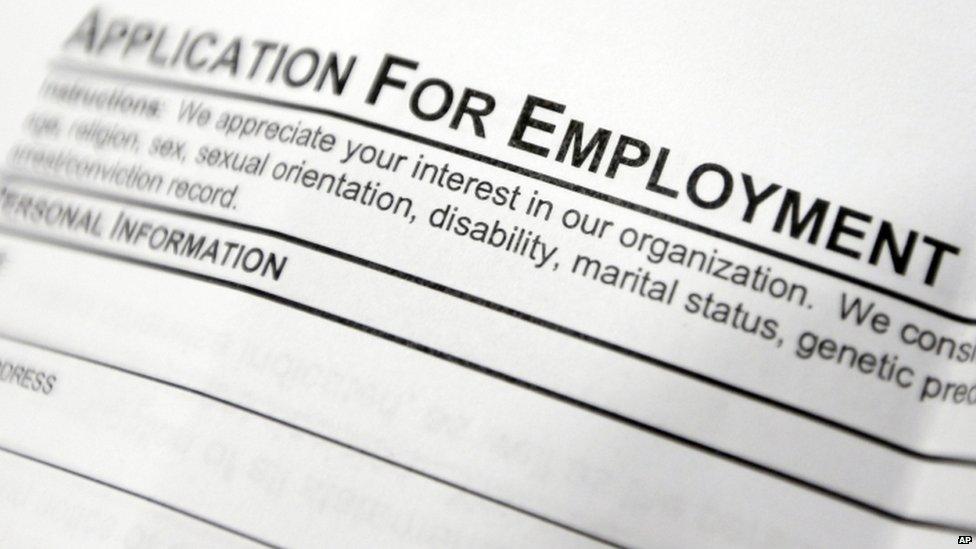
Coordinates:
[361,274]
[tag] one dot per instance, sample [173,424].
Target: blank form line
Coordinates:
[506,378]
[71,66]
[143,497]
[717,383]
[318,435]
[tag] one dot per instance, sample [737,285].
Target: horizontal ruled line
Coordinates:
[323,437]
[143,497]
